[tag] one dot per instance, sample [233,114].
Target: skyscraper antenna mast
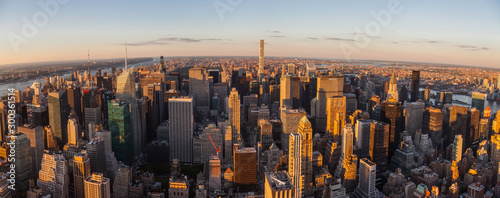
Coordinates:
[126,54]
[88,56]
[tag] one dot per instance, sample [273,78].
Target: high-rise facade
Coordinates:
[362,136]
[125,90]
[180,111]
[53,178]
[286,91]
[393,93]
[367,176]
[278,185]
[391,114]
[415,85]
[199,88]
[336,116]
[23,161]
[81,170]
[58,116]
[295,162]
[73,131]
[305,130]
[478,101]
[261,58]
[414,113]
[290,119]
[379,144]
[120,125]
[35,135]
[245,166]
[327,86]
[97,186]
[123,177]
[97,155]
[458,143]
[234,113]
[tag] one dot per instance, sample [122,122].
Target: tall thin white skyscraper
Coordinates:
[234,114]
[295,162]
[261,58]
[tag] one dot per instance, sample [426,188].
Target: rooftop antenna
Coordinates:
[126,55]
[88,56]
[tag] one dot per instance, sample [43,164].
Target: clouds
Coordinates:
[473,47]
[169,41]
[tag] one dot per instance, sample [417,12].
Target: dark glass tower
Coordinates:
[415,83]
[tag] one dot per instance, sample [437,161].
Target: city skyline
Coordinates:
[232,28]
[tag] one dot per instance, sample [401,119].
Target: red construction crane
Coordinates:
[216,149]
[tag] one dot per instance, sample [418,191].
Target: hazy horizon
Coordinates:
[445,32]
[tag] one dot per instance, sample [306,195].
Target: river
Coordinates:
[22,85]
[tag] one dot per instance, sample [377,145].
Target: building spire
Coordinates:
[126,55]
[88,57]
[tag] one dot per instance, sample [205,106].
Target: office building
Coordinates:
[35,135]
[5,191]
[367,176]
[286,91]
[23,161]
[73,131]
[415,85]
[181,125]
[97,155]
[58,116]
[327,87]
[392,93]
[125,91]
[123,177]
[81,170]
[290,119]
[379,144]
[178,187]
[305,130]
[234,113]
[391,114]
[336,116]
[120,125]
[53,178]
[414,113]
[245,166]
[457,144]
[278,185]
[97,186]
[199,88]
[478,101]
[362,136]
[295,162]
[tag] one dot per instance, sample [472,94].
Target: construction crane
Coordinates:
[216,149]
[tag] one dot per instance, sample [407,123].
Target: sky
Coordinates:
[461,32]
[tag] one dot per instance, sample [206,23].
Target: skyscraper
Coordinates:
[290,119]
[433,124]
[73,131]
[81,170]
[367,176]
[327,87]
[180,111]
[391,114]
[245,166]
[58,116]
[22,163]
[125,90]
[392,93]
[234,113]
[97,186]
[305,130]
[261,58]
[414,113]
[35,135]
[295,162]
[379,144]
[120,125]
[199,88]
[123,177]
[478,101]
[458,143]
[97,155]
[362,136]
[53,178]
[415,85]
[346,168]
[336,116]
[286,90]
